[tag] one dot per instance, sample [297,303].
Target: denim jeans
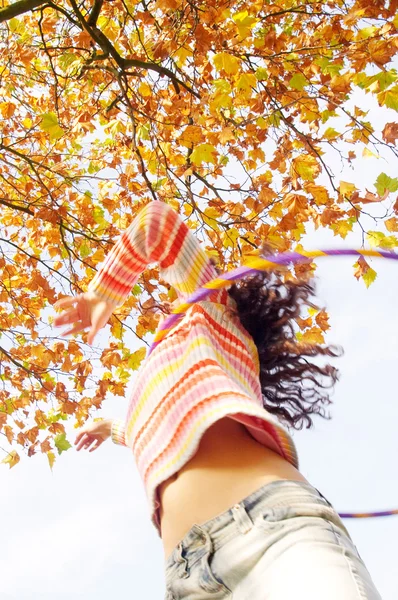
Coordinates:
[283,542]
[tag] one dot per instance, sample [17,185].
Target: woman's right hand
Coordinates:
[82,312]
[93,434]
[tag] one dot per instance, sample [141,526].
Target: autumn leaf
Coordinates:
[364,271]
[227,63]
[346,189]
[306,166]
[381,240]
[61,444]
[136,359]
[311,336]
[322,320]
[204,153]
[343,227]
[384,184]
[390,133]
[51,458]
[298,82]
[11,459]
[368,197]
[49,123]
[389,98]
[244,22]
[391,224]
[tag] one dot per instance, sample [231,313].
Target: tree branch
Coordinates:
[7,202]
[19,8]
[95,11]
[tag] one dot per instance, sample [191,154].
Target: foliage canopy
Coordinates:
[226,110]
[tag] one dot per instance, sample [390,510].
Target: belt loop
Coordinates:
[323,498]
[241,518]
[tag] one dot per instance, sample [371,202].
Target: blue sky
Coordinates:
[83,531]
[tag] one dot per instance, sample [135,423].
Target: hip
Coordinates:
[282,541]
[228,465]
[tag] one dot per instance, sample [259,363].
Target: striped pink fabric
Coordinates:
[205,369]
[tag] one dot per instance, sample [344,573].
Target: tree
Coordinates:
[225,110]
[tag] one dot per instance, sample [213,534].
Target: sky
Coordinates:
[83,530]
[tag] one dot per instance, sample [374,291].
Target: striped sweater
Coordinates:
[205,368]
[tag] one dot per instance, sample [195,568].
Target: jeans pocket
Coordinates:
[271,520]
[210,581]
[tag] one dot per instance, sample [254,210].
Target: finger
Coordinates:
[66,317]
[95,329]
[79,436]
[68,301]
[82,442]
[78,327]
[97,444]
[89,443]
[91,335]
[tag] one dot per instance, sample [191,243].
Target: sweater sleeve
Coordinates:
[157,234]
[118,432]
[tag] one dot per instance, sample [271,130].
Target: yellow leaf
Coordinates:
[49,123]
[51,459]
[244,22]
[144,89]
[262,123]
[369,276]
[368,153]
[230,237]
[346,189]
[367,32]
[12,459]
[220,100]
[312,336]
[204,153]
[342,228]
[247,82]
[136,359]
[306,166]
[276,211]
[181,56]
[226,62]
[379,239]
[298,81]
[331,134]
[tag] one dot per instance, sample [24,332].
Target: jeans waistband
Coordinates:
[264,501]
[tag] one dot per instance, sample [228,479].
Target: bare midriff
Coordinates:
[228,466]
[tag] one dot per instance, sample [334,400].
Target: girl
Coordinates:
[236,517]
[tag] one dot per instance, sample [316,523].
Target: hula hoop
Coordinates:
[254,264]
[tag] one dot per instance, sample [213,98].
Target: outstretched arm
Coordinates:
[157,234]
[92,435]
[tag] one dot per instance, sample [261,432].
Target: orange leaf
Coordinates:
[390,133]
[322,319]
[313,336]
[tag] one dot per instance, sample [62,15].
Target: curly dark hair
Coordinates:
[292,386]
[268,306]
